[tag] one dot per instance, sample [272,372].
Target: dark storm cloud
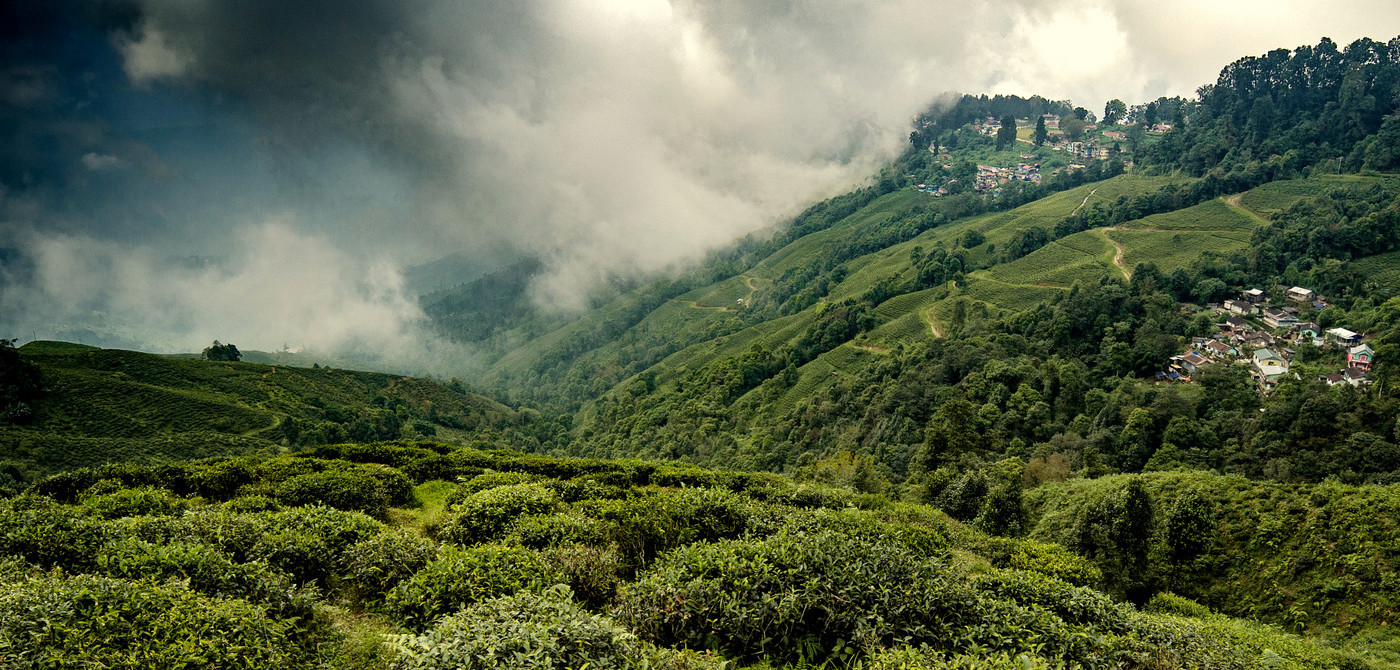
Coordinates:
[311,149]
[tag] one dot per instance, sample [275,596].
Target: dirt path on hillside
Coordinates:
[1237,201]
[1086,199]
[933,323]
[875,349]
[1118,257]
[1118,249]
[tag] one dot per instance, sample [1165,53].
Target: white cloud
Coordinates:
[97,162]
[152,57]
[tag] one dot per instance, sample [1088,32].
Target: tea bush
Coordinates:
[374,566]
[143,501]
[532,632]
[484,515]
[796,596]
[55,621]
[463,576]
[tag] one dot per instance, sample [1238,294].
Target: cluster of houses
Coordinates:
[991,177]
[935,191]
[1270,354]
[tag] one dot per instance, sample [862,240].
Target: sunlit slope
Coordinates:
[901,319]
[107,405]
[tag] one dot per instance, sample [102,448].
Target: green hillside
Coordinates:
[1308,558]
[102,406]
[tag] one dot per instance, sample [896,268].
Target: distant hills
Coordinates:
[103,405]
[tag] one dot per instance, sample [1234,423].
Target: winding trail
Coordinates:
[1085,200]
[1118,258]
[932,323]
[1118,249]
[1237,201]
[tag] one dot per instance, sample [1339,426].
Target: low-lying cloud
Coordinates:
[315,148]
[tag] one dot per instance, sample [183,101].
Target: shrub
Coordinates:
[538,531]
[486,481]
[1073,604]
[51,535]
[207,570]
[485,515]
[644,527]
[220,478]
[143,501]
[527,632]
[307,542]
[1047,559]
[463,576]
[374,566]
[67,487]
[802,596]
[252,503]
[907,658]
[1166,602]
[95,621]
[593,573]
[341,490]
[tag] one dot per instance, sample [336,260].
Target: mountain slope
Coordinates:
[104,405]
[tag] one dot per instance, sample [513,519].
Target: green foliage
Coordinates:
[221,352]
[484,515]
[144,501]
[376,565]
[798,598]
[529,631]
[87,620]
[109,406]
[461,577]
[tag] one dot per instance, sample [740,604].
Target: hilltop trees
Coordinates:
[1073,128]
[1114,111]
[1040,133]
[1006,136]
[221,352]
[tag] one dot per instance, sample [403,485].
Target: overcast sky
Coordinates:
[261,171]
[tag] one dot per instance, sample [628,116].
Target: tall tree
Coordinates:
[1072,128]
[1113,111]
[1006,136]
[1041,134]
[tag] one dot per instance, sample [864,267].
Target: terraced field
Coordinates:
[1082,257]
[1212,215]
[1274,197]
[1382,271]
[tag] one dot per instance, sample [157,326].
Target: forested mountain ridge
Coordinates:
[1030,317]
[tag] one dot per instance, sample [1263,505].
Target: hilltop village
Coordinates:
[1033,159]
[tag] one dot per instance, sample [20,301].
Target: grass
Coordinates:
[432,495]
